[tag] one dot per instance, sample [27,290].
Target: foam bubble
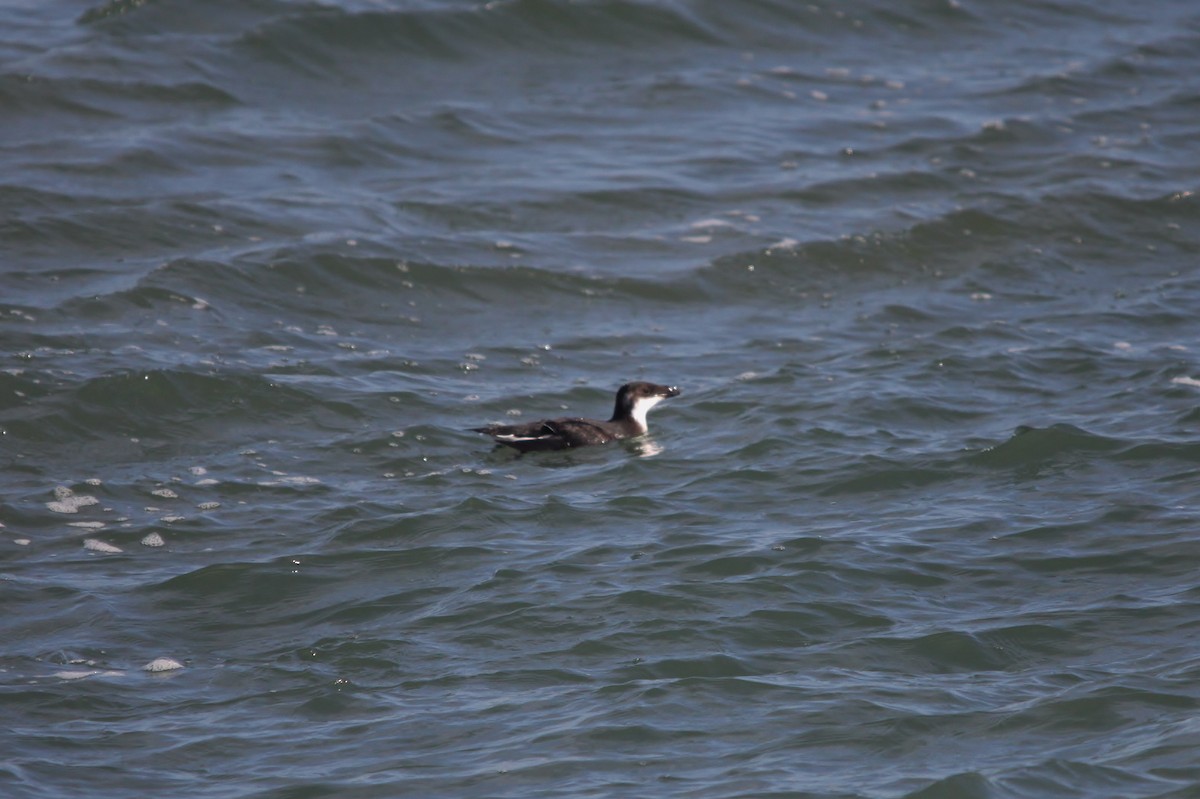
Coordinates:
[296,480]
[162,664]
[79,674]
[96,545]
[67,501]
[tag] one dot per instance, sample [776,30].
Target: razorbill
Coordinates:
[634,401]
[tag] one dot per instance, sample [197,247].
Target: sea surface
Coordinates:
[924,522]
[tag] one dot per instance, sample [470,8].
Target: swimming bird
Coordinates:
[634,401]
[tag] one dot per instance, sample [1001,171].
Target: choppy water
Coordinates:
[924,522]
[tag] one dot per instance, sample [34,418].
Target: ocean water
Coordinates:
[925,521]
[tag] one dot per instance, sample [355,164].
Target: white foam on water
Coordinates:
[159,665]
[80,674]
[67,501]
[296,480]
[153,540]
[71,505]
[96,545]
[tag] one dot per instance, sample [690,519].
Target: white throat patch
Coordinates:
[642,406]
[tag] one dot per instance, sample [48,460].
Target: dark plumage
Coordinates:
[634,401]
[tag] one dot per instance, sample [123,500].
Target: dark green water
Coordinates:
[924,522]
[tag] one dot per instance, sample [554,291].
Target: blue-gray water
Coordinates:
[924,523]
